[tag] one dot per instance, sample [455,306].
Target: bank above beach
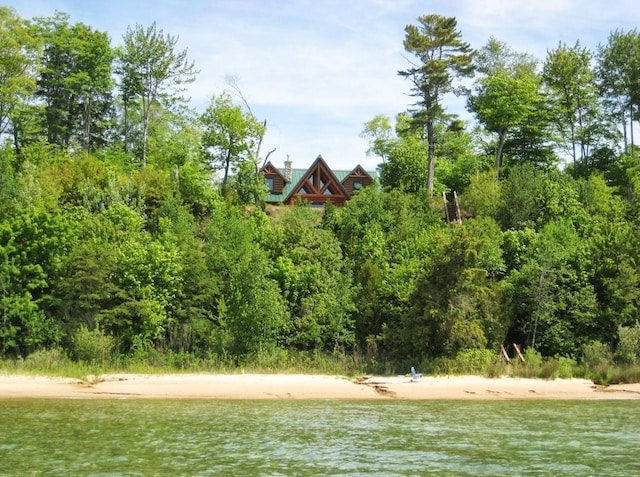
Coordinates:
[296,386]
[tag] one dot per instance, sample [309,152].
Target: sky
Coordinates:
[317,70]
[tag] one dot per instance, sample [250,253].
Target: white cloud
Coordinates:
[317,70]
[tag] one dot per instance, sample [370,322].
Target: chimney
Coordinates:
[287,169]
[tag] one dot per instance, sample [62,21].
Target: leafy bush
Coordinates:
[473,361]
[628,350]
[92,346]
[596,354]
[535,366]
[605,374]
[46,360]
[557,367]
[532,364]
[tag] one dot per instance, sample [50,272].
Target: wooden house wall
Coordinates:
[349,181]
[278,183]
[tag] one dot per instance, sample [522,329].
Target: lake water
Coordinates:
[283,438]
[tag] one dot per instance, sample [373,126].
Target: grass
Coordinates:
[55,362]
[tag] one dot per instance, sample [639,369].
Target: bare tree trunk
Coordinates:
[86,127]
[126,126]
[624,129]
[227,164]
[631,127]
[147,101]
[573,147]
[502,136]
[431,157]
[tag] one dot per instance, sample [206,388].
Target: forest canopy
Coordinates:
[131,223]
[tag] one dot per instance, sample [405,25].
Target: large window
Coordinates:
[269,182]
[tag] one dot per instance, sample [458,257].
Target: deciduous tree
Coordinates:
[619,73]
[151,72]
[571,83]
[75,82]
[18,51]
[231,136]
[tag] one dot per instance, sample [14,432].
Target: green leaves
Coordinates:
[151,71]
[507,101]
[230,138]
[573,90]
[619,73]
[442,57]
[314,280]
[75,82]
[249,308]
[18,49]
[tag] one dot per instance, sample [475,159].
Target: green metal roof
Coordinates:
[298,174]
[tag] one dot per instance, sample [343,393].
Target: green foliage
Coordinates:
[520,191]
[315,282]
[483,195]
[619,74]
[532,364]
[554,301]
[379,132]
[250,310]
[573,92]
[151,72]
[628,349]
[537,366]
[74,82]
[455,302]
[442,57]
[506,102]
[155,266]
[457,163]
[407,168]
[606,375]
[230,137]
[92,346]
[595,354]
[559,367]
[46,360]
[472,361]
[9,185]
[17,69]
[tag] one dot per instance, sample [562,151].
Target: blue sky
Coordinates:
[317,70]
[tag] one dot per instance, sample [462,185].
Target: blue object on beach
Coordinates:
[415,376]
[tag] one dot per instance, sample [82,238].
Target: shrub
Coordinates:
[46,360]
[92,346]
[557,367]
[473,361]
[595,354]
[607,374]
[628,350]
[532,366]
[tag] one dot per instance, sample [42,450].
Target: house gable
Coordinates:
[318,186]
[274,179]
[357,179]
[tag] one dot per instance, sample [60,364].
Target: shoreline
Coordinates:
[306,386]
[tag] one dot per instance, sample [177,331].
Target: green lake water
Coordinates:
[282,438]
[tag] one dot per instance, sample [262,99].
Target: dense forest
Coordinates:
[132,225]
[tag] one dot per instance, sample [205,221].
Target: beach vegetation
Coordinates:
[134,234]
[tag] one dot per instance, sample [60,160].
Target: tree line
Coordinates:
[130,222]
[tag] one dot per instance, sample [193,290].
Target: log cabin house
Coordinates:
[316,185]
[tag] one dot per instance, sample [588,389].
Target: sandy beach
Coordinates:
[294,386]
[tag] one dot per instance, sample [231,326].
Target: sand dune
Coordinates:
[296,386]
